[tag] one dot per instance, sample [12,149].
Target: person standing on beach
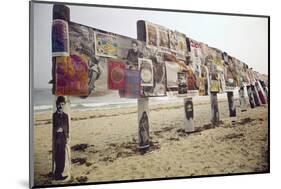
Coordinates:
[60,138]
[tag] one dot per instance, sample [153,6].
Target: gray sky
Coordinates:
[245,38]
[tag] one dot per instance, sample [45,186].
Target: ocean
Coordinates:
[42,101]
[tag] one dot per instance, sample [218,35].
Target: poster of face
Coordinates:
[231,104]
[146,72]
[214,109]
[106,45]
[182,83]
[159,80]
[172,69]
[151,35]
[71,76]
[116,74]
[60,36]
[242,99]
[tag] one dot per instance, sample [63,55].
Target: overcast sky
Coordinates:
[245,38]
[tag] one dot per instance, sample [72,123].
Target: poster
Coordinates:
[172,69]
[164,44]
[159,80]
[60,38]
[132,84]
[189,115]
[204,81]
[146,72]
[178,44]
[143,123]
[71,76]
[133,54]
[106,45]
[182,83]
[151,35]
[82,44]
[116,74]
[229,73]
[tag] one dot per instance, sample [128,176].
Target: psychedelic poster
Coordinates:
[116,74]
[71,76]
[106,45]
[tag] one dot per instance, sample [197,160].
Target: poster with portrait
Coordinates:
[182,83]
[151,35]
[159,80]
[229,73]
[189,115]
[146,72]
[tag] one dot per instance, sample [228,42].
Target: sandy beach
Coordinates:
[103,144]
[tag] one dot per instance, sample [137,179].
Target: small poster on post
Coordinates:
[106,45]
[146,72]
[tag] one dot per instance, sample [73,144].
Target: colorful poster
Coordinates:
[229,73]
[116,74]
[146,72]
[71,76]
[106,45]
[82,43]
[132,84]
[159,80]
[204,81]
[60,38]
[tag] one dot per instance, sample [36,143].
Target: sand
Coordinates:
[104,144]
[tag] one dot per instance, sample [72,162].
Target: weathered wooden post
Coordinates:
[60,54]
[143,103]
[214,109]
[242,99]
[231,104]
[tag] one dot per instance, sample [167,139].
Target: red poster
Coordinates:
[116,76]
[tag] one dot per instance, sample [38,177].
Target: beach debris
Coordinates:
[82,179]
[232,136]
[80,161]
[79,147]
[246,120]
